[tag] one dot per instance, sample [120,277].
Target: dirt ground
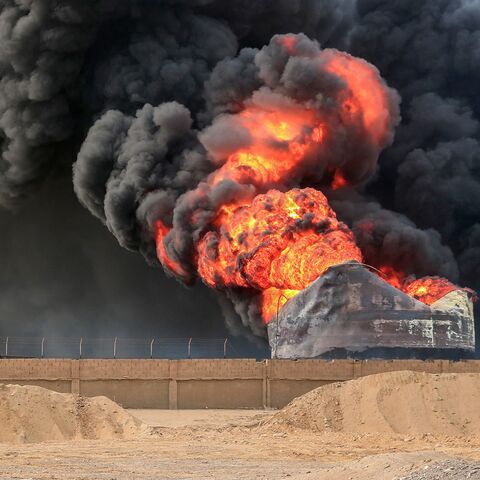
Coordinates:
[404,402]
[229,445]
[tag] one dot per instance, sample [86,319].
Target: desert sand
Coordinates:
[376,428]
[395,402]
[35,414]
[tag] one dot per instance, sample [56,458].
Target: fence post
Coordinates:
[151,344]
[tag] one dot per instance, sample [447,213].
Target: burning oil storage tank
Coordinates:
[353,309]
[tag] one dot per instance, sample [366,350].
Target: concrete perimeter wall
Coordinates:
[222,383]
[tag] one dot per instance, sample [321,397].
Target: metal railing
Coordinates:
[116,347]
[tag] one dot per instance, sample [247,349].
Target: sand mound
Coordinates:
[394,402]
[35,414]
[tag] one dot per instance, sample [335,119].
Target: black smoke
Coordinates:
[123,88]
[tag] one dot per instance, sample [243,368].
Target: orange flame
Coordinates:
[338,180]
[279,242]
[428,289]
[367,97]
[392,276]
[165,259]
[280,141]
[273,299]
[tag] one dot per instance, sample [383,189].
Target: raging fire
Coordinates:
[277,240]
[428,289]
[279,244]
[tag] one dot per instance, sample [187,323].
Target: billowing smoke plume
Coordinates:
[389,238]
[146,97]
[292,76]
[429,52]
[294,115]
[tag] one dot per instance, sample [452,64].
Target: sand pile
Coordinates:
[35,414]
[394,402]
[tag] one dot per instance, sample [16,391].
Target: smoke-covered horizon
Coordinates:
[124,88]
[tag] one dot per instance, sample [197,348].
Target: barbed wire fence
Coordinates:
[116,347]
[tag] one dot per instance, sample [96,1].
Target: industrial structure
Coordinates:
[352,308]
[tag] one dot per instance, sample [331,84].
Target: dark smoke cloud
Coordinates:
[63,62]
[64,275]
[128,86]
[390,238]
[41,55]
[468,259]
[167,53]
[255,23]
[131,170]
[429,52]
[52,70]
[272,79]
